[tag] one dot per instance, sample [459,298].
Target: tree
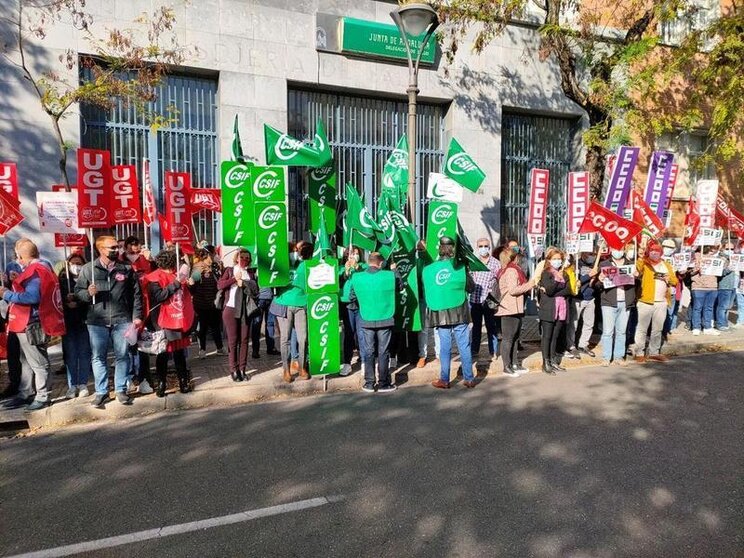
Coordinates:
[125,64]
[704,75]
[595,63]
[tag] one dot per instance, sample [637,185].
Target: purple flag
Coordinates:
[621,180]
[657,185]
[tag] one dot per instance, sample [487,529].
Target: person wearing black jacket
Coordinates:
[112,293]
[616,304]
[75,342]
[582,307]
[554,293]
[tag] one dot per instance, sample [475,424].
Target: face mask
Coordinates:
[654,256]
[75,269]
[630,254]
[112,254]
[483,251]
[557,264]
[617,254]
[293,257]
[726,253]
[515,249]
[668,251]
[590,260]
[132,257]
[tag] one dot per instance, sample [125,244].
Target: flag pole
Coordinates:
[93,267]
[144,204]
[67,263]
[5,253]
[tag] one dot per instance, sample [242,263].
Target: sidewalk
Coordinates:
[212,386]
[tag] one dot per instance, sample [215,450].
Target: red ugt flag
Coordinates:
[617,231]
[178,206]
[692,223]
[148,211]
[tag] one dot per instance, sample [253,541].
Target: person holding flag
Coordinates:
[446,288]
[374,289]
[654,298]
[350,309]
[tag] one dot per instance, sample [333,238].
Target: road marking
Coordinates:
[169,530]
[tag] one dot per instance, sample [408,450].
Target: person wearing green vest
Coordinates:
[374,290]
[292,303]
[350,310]
[446,288]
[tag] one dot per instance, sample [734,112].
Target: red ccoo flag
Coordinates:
[616,230]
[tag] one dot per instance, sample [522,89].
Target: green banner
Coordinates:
[272,249]
[442,221]
[324,339]
[269,183]
[282,149]
[464,252]
[461,168]
[395,174]
[323,197]
[238,222]
[407,309]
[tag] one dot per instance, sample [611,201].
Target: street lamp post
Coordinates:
[414,20]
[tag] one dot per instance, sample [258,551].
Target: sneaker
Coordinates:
[696,332]
[509,371]
[711,332]
[369,388]
[587,352]
[100,400]
[71,392]
[221,351]
[393,363]
[202,353]
[145,388]
[37,405]
[83,391]
[345,370]
[387,389]
[16,403]
[574,353]
[124,398]
[725,328]
[519,369]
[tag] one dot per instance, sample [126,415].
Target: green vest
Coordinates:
[376,294]
[444,285]
[294,294]
[346,281]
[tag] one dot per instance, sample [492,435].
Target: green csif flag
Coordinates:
[464,252]
[322,197]
[271,244]
[442,221]
[320,142]
[461,168]
[236,148]
[282,149]
[324,347]
[323,246]
[395,174]
[238,221]
[407,308]
[361,229]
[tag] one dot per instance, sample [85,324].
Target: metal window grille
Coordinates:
[529,142]
[186,143]
[362,132]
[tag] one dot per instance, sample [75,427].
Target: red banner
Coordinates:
[177,206]
[125,206]
[9,179]
[692,223]
[165,234]
[727,216]
[616,230]
[578,199]
[94,188]
[206,198]
[645,216]
[539,181]
[148,209]
[10,214]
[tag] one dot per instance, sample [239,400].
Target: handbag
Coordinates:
[35,334]
[152,342]
[219,300]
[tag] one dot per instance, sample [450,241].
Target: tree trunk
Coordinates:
[62,153]
[595,165]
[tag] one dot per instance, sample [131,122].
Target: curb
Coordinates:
[80,411]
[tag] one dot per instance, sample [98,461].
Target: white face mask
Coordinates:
[556,263]
[668,251]
[483,251]
[75,269]
[617,254]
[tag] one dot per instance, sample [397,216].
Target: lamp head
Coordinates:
[417,18]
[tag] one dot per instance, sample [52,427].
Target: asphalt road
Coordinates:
[600,462]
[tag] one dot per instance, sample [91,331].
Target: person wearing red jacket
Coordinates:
[35,315]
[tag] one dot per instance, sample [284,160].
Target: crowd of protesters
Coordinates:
[134,305]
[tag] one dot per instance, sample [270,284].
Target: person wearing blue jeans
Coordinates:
[483,283]
[112,292]
[446,287]
[704,294]
[616,303]
[727,284]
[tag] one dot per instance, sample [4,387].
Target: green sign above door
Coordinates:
[359,36]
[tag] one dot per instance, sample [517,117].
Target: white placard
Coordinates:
[709,237]
[58,212]
[579,242]
[536,245]
[321,275]
[712,265]
[736,263]
[682,261]
[441,187]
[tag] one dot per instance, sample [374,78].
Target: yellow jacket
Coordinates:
[647,289]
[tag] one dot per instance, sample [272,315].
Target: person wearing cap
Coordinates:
[446,288]
[657,280]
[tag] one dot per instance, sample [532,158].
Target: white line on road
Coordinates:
[169,530]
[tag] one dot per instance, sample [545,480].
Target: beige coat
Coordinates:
[512,293]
